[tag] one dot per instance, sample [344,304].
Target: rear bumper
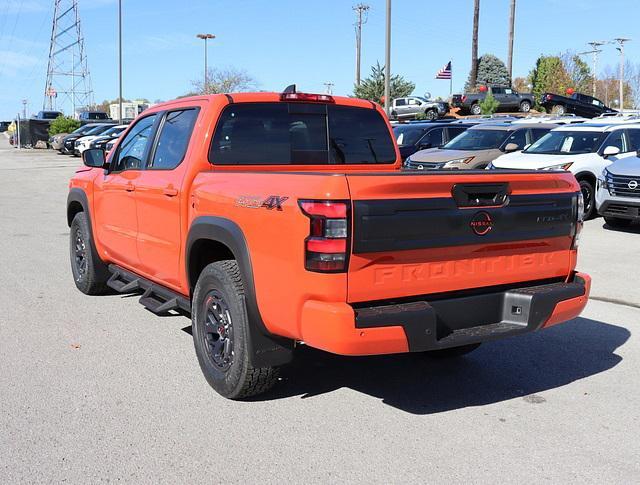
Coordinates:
[432,324]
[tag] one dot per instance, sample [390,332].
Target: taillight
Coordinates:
[318,98]
[327,247]
[463,99]
[579,214]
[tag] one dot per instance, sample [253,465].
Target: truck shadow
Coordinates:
[512,368]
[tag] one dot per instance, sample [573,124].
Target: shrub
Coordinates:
[63,124]
[489,104]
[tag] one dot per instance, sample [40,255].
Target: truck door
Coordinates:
[116,220]
[159,197]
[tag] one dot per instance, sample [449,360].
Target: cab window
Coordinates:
[135,145]
[518,137]
[174,139]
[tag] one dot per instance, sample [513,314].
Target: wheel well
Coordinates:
[588,176]
[204,252]
[74,208]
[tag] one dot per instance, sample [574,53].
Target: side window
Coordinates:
[508,91]
[433,138]
[497,90]
[633,139]
[537,133]
[174,139]
[134,146]
[413,102]
[518,137]
[453,132]
[615,139]
[400,102]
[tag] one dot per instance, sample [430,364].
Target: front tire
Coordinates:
[90,274]
[525,106]
[220,330]
[430,115]
[617,221]
[589,199]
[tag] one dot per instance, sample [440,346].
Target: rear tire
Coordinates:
[220,330]
[558,110]
[452,352]
[90,274]
[476,109]
[525,106]
[430,114]
[617,221]
[589,199]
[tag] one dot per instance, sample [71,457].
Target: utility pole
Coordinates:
[512,19]
[361,11]
[621,41]
[120,61]
[329,87]
[24,108]
[474,45]
[205,37]
[594,51]
[387,60]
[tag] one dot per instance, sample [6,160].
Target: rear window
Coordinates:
[300,134]
[407,135]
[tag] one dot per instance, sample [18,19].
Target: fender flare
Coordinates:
[266,349]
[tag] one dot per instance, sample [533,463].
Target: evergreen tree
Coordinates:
[549,75]
[491,70]
[372,88]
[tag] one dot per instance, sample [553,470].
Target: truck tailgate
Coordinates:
[426,233]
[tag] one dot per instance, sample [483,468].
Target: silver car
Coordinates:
[618,193]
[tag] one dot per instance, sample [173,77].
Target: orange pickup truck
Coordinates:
[279,218]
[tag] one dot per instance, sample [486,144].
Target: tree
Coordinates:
[473,76]
[226,80]
[521,84]
[489,104]
[549,75]
[490,70]
[372,88]
[578,71]
[632,73]
[63,124]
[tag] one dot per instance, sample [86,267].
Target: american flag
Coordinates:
[445,72]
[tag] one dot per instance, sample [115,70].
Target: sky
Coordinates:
[307,42]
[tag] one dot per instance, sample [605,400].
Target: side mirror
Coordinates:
[94,157]
[610,151]
[511,147]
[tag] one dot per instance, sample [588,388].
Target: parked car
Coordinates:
[110,144]
[411,106]
[584,150]
[68,142]
[477,146]
[412,137]
[92,116]
[77,133]
[89,140]
[578,104]
[47,115]
[55,141]
[567,119]
[618,192]
[509,99]
[206,200]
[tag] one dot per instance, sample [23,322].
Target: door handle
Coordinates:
[170,191]
[129,187]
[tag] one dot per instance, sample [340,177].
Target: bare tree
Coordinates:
[632,79]
[474,45]
[226,80]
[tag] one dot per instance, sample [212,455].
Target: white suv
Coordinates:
[584,150]
[618,196]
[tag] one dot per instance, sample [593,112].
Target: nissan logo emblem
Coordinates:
[420,167]
[481,223]
[633,184]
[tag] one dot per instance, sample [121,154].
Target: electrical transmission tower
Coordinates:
[68,82]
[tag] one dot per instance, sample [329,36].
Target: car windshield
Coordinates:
[49,115]
[567,143]
[98,130]
[407,135]
[83,129]
[478,140]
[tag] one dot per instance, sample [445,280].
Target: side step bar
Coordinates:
[155,298]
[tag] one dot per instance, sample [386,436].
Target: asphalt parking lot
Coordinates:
[98,389]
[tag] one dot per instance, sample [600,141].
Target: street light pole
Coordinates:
[387,61]
[120,61]
[205,37]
